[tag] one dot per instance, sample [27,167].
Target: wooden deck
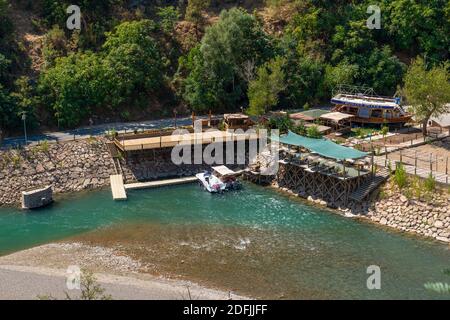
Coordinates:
[160,183]
[171,141]
[117,187]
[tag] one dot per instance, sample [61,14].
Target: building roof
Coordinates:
[443,120]
[308,115]
[336,116]
[323,147]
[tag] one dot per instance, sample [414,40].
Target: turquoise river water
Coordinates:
[256,242]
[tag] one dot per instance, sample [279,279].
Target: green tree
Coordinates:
[215,69]
[9,118]
[168,18]
[194,10]
[427,91]
[264,90]
[73,87]
[25,97]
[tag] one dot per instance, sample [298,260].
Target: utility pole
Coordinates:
[24,118]
[175,116]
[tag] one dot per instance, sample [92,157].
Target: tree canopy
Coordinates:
[427,91]
[144,58]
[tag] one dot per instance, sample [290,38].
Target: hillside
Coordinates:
[141,59]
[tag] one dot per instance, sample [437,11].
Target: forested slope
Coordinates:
[141,59]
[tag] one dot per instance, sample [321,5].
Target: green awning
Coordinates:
[324,147]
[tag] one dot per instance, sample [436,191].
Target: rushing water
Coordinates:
[255,242]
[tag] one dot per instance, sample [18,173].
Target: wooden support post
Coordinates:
[401,157]
[386,156]
[437,161]
[415,163]
[431,162]
[446,166]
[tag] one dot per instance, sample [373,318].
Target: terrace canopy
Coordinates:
[323,147]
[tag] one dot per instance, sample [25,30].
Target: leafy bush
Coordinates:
[168,18]
[127,70]
[430,183]
[313,132]
[400,176]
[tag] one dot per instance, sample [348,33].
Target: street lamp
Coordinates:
[175,116]
[24,118]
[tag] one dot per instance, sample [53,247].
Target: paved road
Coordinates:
[96,130]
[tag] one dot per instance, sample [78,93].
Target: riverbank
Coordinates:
[426,215]
[41,271]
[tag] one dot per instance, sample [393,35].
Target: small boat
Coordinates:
[219,180]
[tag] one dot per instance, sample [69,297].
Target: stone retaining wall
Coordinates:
[69,166]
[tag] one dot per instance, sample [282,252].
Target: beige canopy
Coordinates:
[224,171]
[336,117]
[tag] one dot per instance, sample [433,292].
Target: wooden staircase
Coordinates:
[369,185]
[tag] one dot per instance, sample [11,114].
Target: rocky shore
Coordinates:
[428,217]
[67,167]
[42,271]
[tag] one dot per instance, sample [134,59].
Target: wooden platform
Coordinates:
[160,183]
[170,141]
[117,187]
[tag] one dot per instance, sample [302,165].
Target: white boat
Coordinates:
[220,179]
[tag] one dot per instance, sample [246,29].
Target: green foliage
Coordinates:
[54,45]
[282,123]
[44,146]
[127,70]
[400,177]
[90,289]
[301,129]
[214,69]
[430,183]
[194,10]
[427,91]
[313,132]
[168,18]
[8,111]
[419,26]
[264,90]
[73,87]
